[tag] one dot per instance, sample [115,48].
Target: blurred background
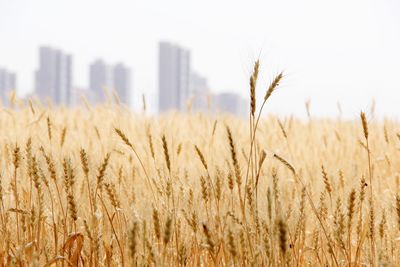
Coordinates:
[177,52]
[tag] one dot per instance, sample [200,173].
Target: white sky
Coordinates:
[342,50]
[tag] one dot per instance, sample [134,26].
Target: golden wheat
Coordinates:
[108,193]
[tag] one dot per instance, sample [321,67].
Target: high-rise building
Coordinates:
[105,78]
[173,77]
[7,84]
[54,76]
[100,80]
[122,82]
[199,92]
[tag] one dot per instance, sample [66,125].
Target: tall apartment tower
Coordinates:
[7,84]
[122,82]
[100,80]
[199,92]
[173,77]
[54,76]
[106,78]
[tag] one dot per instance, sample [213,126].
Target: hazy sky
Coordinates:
[342,50]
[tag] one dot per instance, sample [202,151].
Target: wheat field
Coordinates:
[102,186]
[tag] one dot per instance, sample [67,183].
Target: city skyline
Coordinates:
[324,52]
[180,87]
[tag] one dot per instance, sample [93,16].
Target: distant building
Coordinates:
[54,76]
[173,77]
[122,83]
[231,103]
[100,80]
[7,84]
[105,78]
[199,92]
